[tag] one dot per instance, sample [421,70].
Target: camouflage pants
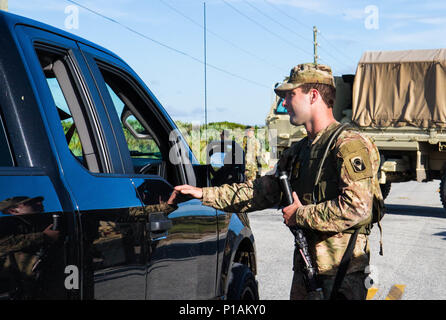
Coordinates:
[251,172]
[352,287]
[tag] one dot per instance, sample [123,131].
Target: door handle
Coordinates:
[158,225]
[158,222]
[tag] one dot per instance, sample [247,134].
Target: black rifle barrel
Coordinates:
[299,239]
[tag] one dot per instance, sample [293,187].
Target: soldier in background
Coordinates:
[252,149]
[330,211]
[224,135]
[21,207]
[21,242]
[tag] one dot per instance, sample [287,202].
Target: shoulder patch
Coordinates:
[356,159]
[351,146]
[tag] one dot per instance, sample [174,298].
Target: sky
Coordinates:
[250,44]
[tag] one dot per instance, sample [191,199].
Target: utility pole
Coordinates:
[315,44]
[205,76]
[4,5]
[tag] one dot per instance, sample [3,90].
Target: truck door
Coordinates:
[183,240]
[113,246]
[32,255]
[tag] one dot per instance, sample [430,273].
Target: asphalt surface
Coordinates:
[414,236]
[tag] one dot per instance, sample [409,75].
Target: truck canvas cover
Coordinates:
[400,88]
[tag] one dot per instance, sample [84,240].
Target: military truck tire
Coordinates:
[443,191]
[242,283]
[385,189]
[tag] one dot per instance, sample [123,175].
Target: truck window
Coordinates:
[58,72]
[66,119]
[5,151]
[280,108]
[141,140]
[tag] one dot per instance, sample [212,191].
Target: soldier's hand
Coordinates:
[289,212]
[53,235]
[188,190]
[177,197]
[174,198]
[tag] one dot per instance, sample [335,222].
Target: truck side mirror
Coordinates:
[132,125]
[226,162]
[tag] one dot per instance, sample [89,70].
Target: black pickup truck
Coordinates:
[88,161]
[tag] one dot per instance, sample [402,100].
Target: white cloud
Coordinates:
[20,5]
[353,14]
[347,9]
[308,5]
[428,39]
[433,21]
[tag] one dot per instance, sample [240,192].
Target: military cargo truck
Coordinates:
[397,98]
[284,133]
[278,124]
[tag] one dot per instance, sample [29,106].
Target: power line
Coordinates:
[291,17]
[266,29]
[310,28]
[167,46]
[275,21]
[343,53]
[333,57]
[292,31]
[286,14]
[219,37]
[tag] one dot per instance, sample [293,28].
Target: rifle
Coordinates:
[43,251]
[300,242]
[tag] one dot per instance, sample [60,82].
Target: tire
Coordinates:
[385,189]
[443,191]
[242,284]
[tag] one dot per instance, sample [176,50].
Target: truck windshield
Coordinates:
[280,108]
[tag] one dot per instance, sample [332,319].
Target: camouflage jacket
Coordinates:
[251,147]
[345,195]
[19,243]
[13,243]
[144,212]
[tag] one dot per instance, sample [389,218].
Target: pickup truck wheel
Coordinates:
[242,283]
[385,189]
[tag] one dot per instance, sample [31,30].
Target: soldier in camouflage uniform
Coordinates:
[20,242]
[347,191]
[251,147]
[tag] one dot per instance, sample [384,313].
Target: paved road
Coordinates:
[414,234]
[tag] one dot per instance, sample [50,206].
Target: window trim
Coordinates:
[120,72]
[4,132]
[87,118]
